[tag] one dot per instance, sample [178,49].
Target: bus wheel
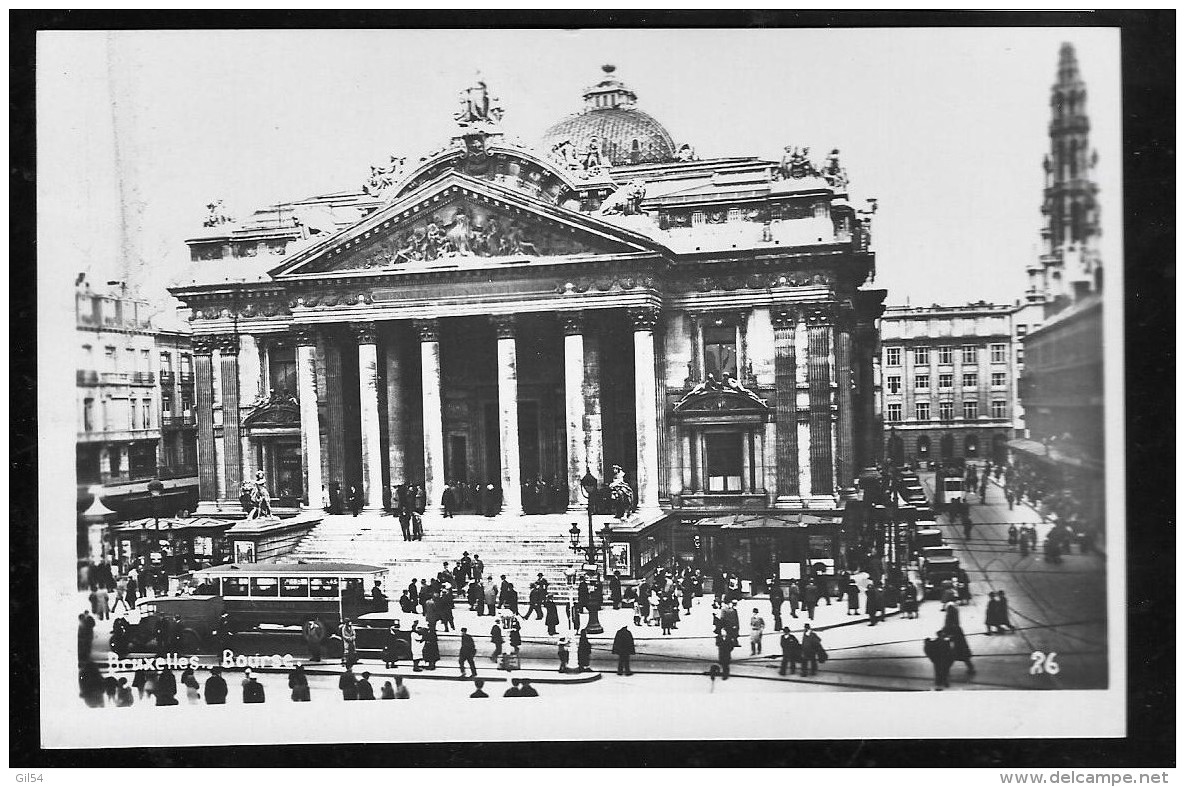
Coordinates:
[190,641]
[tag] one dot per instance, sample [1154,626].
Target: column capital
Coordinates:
[819,314]
[364,332]
[428,329]
[504,325]
[573,322]
[644,318]
[228,343]
[304,335]
[785,315]
[204,343]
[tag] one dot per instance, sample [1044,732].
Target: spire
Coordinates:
[1067,67]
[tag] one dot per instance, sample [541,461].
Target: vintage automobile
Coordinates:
[935,571]
[926,537]
[929,553]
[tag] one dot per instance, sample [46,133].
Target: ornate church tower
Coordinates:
[1069,266]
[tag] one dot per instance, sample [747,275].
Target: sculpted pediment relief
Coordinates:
[463,228]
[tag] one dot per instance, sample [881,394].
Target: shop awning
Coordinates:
[766,521]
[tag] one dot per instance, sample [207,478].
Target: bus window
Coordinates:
[323,587]
[353,588]
[208,587]
[294,587]
[234,586]
[265,586]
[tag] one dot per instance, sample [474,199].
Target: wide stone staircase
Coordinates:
[518,546]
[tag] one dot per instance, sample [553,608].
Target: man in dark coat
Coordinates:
[729,620]
[810,597]
[479,567]
[791,652]
[776,597]
[475,595]
[615,589]
[421,499]
[355,500]
[348,684]
[623,647]
[812,651]
[405,523]
[215,689]
[874,604]
[314,635]
[365,690]
[725,642]
[166,688]
[644,602]
[553,615]
[252,689]
[536,601]
[467,652]
[448,500]
[941,655]
[582,594]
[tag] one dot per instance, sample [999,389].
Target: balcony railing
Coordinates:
[168,378]
[128,378]
[178,421]
[117,435]
[185,378]
[88,377]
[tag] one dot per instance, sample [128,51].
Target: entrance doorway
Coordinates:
[458,466]
[283,469]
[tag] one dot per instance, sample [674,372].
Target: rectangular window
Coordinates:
[1020,355]
[946,381]
[970,380]
[187,365]
[283,369]
[166,362]
[697,217]
[999,379]
[893,383]
[133,421]
[999,353]
[921,356]
[892,356]
[294,587]
[893,413]
[921,411]
[132,365]
[234,586]
[88,414]
[112,358]
[946,411]
[723,463]
[265,586]
[720,351]
[999,408]
[921,382]
[969,353]
[1021,330]
[323,587]
[146,413]
[971,409]
[145,360]
[946,355]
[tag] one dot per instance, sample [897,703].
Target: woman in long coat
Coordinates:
[431,649]
[853,591]
[553,615]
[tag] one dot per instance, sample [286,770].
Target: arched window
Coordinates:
[948,446]
[924,447]
[635,152]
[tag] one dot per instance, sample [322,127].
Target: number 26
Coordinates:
[1044,663]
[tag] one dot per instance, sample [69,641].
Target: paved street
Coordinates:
[1057,608]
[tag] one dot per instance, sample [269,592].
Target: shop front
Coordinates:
[757,547]
[174,545]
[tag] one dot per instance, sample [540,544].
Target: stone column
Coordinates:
[203,383]
[310,422]
[232,446]
[646,405]
[594,440]
[573,323]
[335,418]
[434,470]
[820,320]
[368,405]
[803,405]
[697,346]
[508,415]
[396,412]
[786,399]
[845,429]
[252,384]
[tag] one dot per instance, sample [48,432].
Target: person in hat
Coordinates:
[623,648]
[467,652]
[562,653]
[478,691]
[552,620]
[365,690]
[298,681]
[252,688]
[583,652]
[791,652]
[756,632]
[348,684]
[215,688]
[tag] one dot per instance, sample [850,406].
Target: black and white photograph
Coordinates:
[695,383]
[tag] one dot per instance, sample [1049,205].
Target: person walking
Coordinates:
[535,599]
[298,682]
[725,642]
[583,652]
[812,651]
[791,652]
[491,596]
[756,632]
[776,597]
[623,647]
[874,604]
[349,638]
[562,654]
[448,500]
[853,592]
[467,653]
[909,600]
[314,635]
[810,598]
[516,644]
[615,589]
[215,688]
[355,500]
[958,642]
[1013,534]
[405,523]
[1003,615]
[552,620]
[938,651]
[793,598]
[644,602]
[496,640]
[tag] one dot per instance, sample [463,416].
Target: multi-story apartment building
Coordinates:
[128,398]
[948,380]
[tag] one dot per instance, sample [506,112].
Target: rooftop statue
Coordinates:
[477,106]
[216,215]
[686,153]
[383,178]
[627,200]
[835,175]
[796,164]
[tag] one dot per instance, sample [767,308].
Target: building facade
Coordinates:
[1062,384]
[501,312]
[127,435]
[949,381]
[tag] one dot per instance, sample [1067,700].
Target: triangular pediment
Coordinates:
[465,219]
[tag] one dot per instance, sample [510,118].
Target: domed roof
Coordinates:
[627,135]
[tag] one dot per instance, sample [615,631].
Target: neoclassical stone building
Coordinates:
[504,311]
